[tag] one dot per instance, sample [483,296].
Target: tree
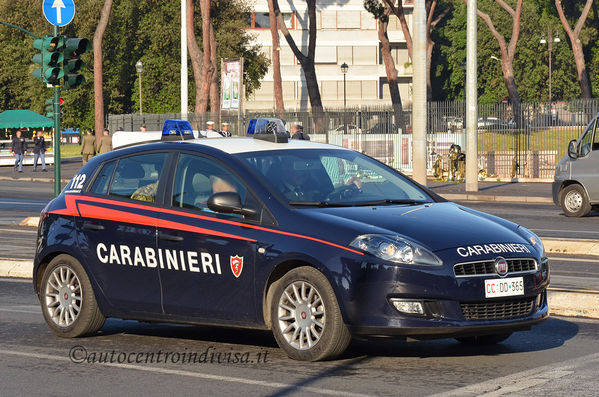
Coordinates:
[574,36]
[276,60]
[98,82]
[507,50]
[381,13]
[196,56]
[306,61]
[431,23]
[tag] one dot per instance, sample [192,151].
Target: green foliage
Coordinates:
[138,29]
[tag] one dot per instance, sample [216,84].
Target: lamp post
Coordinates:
[344,69]
[549,43]
[140,68]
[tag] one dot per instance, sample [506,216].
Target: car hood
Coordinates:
[438,226]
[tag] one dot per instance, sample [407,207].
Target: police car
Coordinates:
[315,242]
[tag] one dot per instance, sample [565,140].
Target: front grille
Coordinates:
[487,267]
[498,310]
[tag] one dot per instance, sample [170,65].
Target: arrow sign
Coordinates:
[59,12]
[58,4]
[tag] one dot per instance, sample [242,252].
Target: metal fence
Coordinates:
[528,146]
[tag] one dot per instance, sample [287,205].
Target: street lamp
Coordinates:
[549,43]
[344,69]
[140,68]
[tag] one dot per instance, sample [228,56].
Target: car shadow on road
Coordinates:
[551,334]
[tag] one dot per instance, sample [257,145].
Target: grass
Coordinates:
[70,150]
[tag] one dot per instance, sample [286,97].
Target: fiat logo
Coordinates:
[501,266]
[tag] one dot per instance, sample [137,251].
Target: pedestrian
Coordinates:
[297,132]
[88,147]
[120,129]
[19,148]
[39,151]
[105,142]
[225,129]
[143,128]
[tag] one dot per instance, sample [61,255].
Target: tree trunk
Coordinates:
[432,23]
[196,56]
[307,61]
[507,53]
[391,72]
[400,14]
[574,35]
[207,69]
[214,88]
[98,81]
[512,89]
[276,61]
[429,57]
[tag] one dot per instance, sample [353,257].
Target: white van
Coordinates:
[576,184]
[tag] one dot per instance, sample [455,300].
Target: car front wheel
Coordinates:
[68,302]
[306,319]
[574,201]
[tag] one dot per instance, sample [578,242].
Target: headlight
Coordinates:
[396,249]
[533,239]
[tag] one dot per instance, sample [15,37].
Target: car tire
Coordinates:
[484,339]
[305,315]
[67,299]
[574,201]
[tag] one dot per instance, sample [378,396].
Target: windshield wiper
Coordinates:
[320,204]
[389,201]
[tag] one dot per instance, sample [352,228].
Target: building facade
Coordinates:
[346,33]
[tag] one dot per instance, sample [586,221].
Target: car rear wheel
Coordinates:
[484,339]
[68,302]
[306,319]
[574,201]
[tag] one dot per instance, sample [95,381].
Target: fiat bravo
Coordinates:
[314,242]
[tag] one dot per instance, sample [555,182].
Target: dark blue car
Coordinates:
[315,242]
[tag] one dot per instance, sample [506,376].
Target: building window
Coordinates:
[348,20]
[261,20]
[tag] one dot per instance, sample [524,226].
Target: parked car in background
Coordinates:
[351,129]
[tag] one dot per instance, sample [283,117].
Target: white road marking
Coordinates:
[19,311]
[230,379]
[522,380]
[33,231]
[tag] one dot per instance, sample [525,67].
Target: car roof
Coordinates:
[248,145]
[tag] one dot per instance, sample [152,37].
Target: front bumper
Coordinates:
[453,306]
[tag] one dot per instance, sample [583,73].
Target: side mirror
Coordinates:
[228,203]
[572,149]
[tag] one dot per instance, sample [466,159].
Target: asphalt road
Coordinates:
[557,357]
[544,219]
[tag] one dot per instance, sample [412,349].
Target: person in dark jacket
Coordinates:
[39,151]
[297,132]
[19,148]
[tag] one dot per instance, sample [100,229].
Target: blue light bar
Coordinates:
[176,130]
[269,129]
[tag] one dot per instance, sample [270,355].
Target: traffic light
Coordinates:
[50,59]
[73,48]
[50,108]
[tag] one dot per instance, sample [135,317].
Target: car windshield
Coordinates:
[332,177]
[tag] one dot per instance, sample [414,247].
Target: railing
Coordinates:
[528,146]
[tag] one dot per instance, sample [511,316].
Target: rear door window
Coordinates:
[137,177]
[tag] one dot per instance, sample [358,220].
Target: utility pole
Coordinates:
[471,100]
[56,107]
[419,116]
[184,99]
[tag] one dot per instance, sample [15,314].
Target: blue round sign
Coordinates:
[59,12]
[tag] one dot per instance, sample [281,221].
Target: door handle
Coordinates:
[92,226]
[169,237]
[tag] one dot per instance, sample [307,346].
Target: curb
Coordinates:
[571,246]
[502,199]
[32,179]
[570,303]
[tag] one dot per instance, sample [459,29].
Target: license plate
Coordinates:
[499,287]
